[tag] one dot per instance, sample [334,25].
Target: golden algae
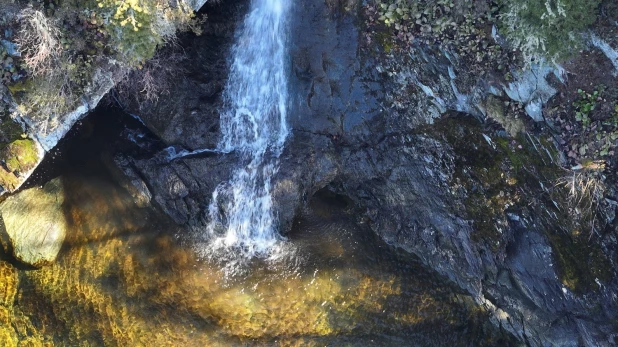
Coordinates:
[122,279]
[8,284]
[8,337]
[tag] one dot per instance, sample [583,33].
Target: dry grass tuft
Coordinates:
[155,78]
[585,191]
[39,42]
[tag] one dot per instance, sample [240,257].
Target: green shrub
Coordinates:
[139,26]
[584,105]
[549,29]
[129,23]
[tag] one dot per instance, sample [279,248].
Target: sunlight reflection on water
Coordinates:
[124,278]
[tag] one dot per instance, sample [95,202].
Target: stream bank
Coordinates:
[455,166]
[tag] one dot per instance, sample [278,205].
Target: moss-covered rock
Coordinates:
[34,223]
[496,109]
[496,175]
[17,159]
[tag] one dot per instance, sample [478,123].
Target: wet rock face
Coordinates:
[333,91]
[34,224]
[359,128]
[330,100]
[419,191]
[183,187]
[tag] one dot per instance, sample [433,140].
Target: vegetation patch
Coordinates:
[496,175]
[589,126]
[18,154]
[17,158]
[462,27]
[550,29]
[55,48]
[539,30]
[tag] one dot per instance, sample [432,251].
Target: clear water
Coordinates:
[253,124]
[123,278]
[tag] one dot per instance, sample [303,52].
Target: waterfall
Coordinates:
[253,125]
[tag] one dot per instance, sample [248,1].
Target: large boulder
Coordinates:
[34,224]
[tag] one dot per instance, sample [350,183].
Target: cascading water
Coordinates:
[253,125]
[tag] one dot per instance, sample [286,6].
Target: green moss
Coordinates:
[580,261]
[17,158]
[483,172]
[385,39]
[9,130]
[517,174]
[19,87]
[21,155]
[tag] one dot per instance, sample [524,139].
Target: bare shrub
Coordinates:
[155,78]
[585,191]
[39,42]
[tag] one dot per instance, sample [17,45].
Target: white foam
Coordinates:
[253,124]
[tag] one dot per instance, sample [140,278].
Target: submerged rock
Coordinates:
[124,174]
[34,224]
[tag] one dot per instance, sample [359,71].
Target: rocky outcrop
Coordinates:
[189,118]
[127,178]
[467,199]
[46,133]
[407,185]
[34,224]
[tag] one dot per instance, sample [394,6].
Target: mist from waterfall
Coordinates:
[253,125]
